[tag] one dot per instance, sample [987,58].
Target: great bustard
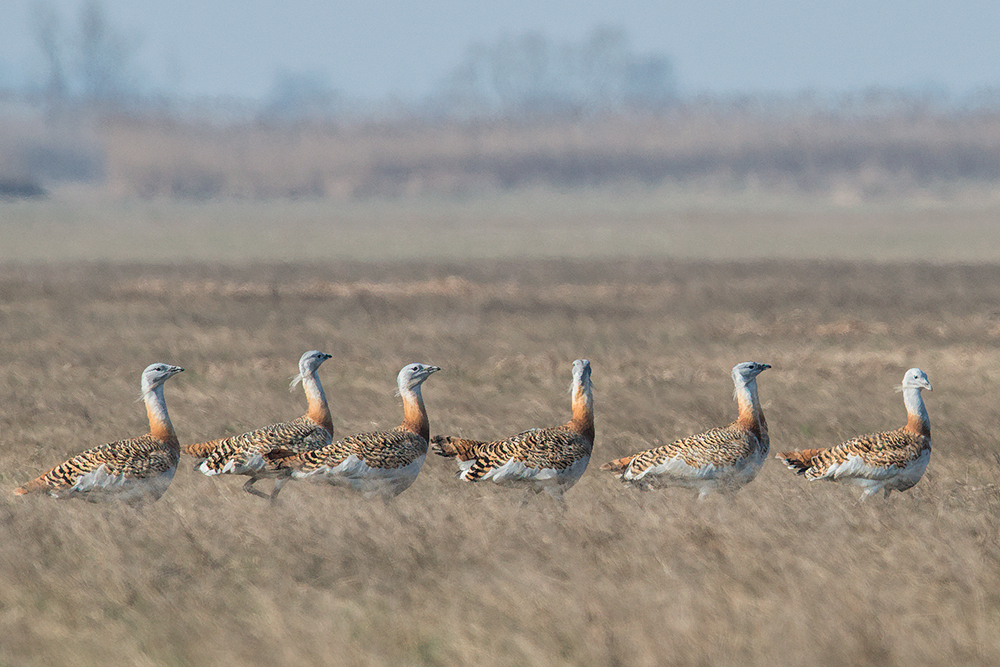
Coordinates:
[246,454]
[720,459]
[889,461]
[381,463]
[129,470]
[544,459]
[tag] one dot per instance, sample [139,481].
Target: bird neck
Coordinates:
[414,412]
[319,410]
[159,421]
[583,410]
[917,420]
[751,414]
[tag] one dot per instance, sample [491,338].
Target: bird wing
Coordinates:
[556,448]
[873,456]
[247,452]
[129,459]
[703,454]
[380,449]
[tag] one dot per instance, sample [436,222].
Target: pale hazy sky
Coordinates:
[372,49]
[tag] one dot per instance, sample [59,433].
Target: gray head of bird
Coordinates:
[309,362]
[581,374]
[915,379]
[155,375]
[745,373]
[413,375]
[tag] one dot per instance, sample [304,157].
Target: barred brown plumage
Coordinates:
[130,470]
[246,454]
[547,459]
[380,463]
[889,461]
[720,459]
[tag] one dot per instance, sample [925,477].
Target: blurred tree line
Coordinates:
[86,60]
[90,60]
[594,110]
[531,75]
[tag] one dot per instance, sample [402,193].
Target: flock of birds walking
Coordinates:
[386,463]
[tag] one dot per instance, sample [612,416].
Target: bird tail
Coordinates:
[451,446]
[34,486]
[200,450]
[800,461]
[618,466]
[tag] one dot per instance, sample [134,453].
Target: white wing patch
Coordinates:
[98,485]
[357,475]
[707,478]
[853,470]
[671,471]
[516,472]
[854,467]
[255,463]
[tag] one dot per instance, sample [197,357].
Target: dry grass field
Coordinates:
[789,573]
[680,223]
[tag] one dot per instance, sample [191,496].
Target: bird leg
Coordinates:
[248,487]
[279,483]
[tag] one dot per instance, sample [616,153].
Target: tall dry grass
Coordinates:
[449,574]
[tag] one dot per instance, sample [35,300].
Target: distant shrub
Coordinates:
[12,188]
